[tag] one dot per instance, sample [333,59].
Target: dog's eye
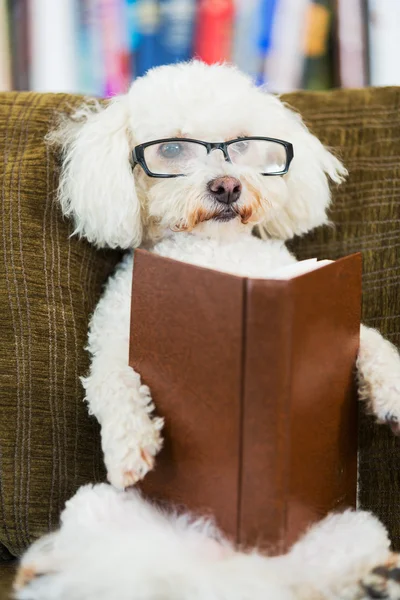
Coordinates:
[170,150]
[241,147]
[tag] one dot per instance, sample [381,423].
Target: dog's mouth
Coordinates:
[225,215]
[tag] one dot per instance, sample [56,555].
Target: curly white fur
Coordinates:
[114,544]
[113,205]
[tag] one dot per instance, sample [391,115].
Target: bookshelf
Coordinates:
[98,47]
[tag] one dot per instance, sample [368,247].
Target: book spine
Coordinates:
[265,446]
[86,79]
[214,31]
[148,23]
[19,43]
[176,30]
[113,27]
[96,47]
[5,51]
[246,52]
[351,44]
[132,25]
[52,27]
[384,42]
[283,67]
[318,67]
[263,29]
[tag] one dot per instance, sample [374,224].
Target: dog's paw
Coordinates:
[384,399]
[383,582]
[378,374]
[130,447]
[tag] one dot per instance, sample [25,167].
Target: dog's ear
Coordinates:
[97,187]
[311,171]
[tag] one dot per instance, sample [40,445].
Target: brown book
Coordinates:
[255,379]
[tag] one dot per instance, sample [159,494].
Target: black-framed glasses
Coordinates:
[177,157]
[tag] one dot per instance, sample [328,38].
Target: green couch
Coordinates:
[51,282]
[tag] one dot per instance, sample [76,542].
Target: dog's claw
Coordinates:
[394,426]
[147,457]
[130,478]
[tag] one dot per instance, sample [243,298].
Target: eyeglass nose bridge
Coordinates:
[219,146]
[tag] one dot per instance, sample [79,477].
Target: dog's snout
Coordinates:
[225,189]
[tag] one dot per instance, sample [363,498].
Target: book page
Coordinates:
[299,268]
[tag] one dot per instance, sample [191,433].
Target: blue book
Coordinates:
[252,39]
[133,34]
[148,20]
[175,39]
[267,17]
[91,72]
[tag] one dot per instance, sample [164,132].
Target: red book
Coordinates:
[214,31]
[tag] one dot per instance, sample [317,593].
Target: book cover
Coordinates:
[255,380]
[176,30]
[214,31]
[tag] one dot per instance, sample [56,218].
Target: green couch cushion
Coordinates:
[364,127]
[7,574]
[49,285]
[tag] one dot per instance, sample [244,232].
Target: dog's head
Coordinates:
[108,184]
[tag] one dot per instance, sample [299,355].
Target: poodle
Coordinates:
[189,164]
[113,544]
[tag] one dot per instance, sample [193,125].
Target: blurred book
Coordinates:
[214,31]
[148,15]
[115,46]
[5,53]
[352,68]
[266,16]
[176,30]
[384,41]
[19,42]
[91,76]
[252,35]
[54,59]
[284,63]
[132,25]
[246,53]
[317,68]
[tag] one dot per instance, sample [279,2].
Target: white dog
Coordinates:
[112,545]
[113,185]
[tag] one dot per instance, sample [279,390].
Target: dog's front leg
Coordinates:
[378,375]
[130,435]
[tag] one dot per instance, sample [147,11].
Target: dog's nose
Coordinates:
[225,189]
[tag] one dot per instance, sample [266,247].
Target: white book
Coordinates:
[283,68]
[246,51]
[5,55]
[54,42]
[351,43]
[384,41]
